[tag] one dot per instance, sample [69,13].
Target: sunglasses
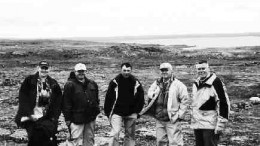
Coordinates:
[44,67]
[81,71]
[164,69]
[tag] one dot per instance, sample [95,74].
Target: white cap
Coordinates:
[203,65]
[166,65]
[80,66]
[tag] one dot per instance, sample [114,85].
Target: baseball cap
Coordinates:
[80,66]
[166,66]
[43,64]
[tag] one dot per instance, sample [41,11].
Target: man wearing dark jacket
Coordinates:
[124,99]
[80,106]
[40,99]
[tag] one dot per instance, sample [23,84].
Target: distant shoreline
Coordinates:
[141,37]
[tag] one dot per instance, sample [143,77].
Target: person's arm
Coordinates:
[56,102]
[97,93]
[153,91]
[184,100]
[223,105]
[24,102]
[139,99]
[109,99]
[223,99]
[67,102]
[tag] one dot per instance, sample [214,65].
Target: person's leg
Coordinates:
[210,138]
[129,124]
[116,124]
[76,133]
[29,126]
[174,132]
[198,137]
[29,130]
[88,135]
[161,135]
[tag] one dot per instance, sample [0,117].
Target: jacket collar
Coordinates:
[120,76]
[209,81]
[160,80]
[36,76]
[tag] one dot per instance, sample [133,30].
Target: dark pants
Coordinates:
[206,137]
[37,135]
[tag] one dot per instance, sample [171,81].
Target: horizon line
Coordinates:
[133,37]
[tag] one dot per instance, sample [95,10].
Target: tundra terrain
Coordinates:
[237,67]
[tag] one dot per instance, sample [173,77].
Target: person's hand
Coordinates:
[33,118]
[133,115]
[220,126]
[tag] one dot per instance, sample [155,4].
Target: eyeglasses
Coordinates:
[164,69]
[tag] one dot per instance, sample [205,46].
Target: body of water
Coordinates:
[202,42]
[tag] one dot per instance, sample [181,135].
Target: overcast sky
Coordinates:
[104,18]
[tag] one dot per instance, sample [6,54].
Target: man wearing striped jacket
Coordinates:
[210,106]
[124,100]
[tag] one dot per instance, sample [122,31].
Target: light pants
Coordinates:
[82,134]
[168,134]
[129,125]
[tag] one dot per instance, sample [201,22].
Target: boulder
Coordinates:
[255,100]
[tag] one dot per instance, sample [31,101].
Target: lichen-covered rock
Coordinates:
[4,133]
[19,136]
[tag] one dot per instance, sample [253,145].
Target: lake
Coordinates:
[202,42]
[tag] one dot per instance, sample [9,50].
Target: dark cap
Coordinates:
[43,64]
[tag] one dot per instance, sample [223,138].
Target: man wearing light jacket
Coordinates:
[169,101]
[210,106]
[124,100]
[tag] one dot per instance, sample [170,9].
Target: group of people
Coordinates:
[41,102]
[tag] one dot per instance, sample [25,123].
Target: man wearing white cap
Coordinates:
[80,106]
[210,106]
[169,98]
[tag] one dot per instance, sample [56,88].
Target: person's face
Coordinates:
[80,74]
[203,71]
[165,73]
[43,71]
[126,71]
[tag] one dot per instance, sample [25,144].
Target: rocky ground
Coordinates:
[237,67]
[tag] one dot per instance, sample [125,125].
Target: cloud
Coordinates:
[92,18]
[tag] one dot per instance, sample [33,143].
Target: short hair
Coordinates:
[126,64]
[202,61]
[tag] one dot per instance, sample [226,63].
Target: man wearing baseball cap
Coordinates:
[80,106]
[40,99]
[168,102]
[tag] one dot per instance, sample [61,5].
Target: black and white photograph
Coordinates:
[129,73]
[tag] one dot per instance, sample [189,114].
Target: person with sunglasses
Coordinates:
[80,106]
[168,103]
[39,108]
[124,100]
